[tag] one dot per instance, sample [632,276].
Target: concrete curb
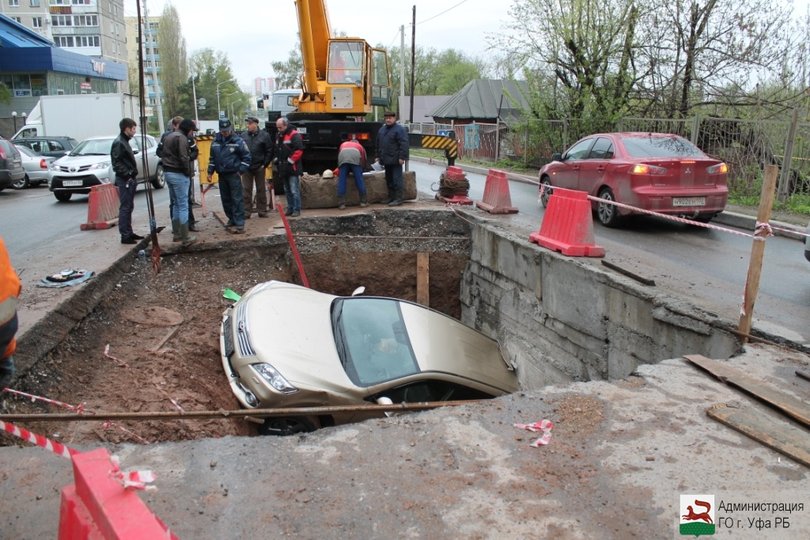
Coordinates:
[728,218]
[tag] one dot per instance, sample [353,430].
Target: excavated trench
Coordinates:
[152,345]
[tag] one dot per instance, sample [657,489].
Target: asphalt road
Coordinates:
[707,267]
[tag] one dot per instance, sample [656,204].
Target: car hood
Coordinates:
[79,161]
[299,343]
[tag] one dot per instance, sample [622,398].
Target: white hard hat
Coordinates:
[328,174]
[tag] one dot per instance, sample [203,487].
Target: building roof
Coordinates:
[26,51]
[422,107]
[485,100]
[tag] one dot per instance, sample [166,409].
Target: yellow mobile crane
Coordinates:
[344,79]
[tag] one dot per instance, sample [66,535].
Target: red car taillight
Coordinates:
[650,170]
[2,153]
[720,168]
[43,164]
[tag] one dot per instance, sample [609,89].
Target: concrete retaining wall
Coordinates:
[562,319]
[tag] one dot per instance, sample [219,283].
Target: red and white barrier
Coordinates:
[43,442]
[543,425]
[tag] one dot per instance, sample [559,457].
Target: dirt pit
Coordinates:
[153,343]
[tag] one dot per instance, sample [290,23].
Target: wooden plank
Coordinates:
[795,408]
[785,438]
[758,249]
[423,279]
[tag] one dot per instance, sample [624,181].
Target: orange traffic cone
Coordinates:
[496,194]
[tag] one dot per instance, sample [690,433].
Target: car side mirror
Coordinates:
[556,156]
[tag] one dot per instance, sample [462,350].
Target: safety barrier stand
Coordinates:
[102,208]
[567,225]
[497,199]
[454,180]
[99,506]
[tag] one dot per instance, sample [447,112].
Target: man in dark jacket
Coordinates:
[126,173]
[289,151]
[392,152]
[230,157]
[261,154]
[173,126]
[176,164]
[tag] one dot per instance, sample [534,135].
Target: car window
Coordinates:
[673,146]
[371,339]
[36,146]
[579,150]
[27,151]
[431,390]
[55,146]
[602,149]
[93,147]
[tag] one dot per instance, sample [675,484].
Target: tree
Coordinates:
[173,61]
[211,68]
[289,73]
[5,93]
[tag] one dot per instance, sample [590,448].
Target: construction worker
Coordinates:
[392,152]
[230,158]
[289,151]
[351,158]
[10,288]
[261,154]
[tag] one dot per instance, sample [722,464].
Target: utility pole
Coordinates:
[413,62]
[153,69]
[401,67]
[194,94]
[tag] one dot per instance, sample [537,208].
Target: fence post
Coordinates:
[695,129]
[783,191]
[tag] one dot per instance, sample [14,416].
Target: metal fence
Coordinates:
[745,145]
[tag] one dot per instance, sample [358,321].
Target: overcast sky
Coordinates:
[254,33]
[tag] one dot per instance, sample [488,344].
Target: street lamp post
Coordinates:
[14,116]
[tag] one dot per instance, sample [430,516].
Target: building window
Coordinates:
[61,20]
[63,41]
[18,19]
[14,3]
[34,3]
[36,22]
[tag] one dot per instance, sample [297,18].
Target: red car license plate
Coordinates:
[689,201]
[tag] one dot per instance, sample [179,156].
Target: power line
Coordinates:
[442,13]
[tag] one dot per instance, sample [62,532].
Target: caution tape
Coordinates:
[132,479]
[543,425]
[43,442]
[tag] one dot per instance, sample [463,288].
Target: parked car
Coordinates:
[283,345]
[54,147]
[11,169]
[36,168]
[89,165]
[653,171]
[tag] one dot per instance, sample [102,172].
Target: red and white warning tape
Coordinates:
[75,408]
[543,425]
[43,442]
[132,479]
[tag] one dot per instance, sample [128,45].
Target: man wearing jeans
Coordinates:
[176,164]
[126,173]
[289,150]
[230,158]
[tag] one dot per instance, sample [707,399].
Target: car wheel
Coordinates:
[159,181]
[608,214]
[545,191]
[62,196]
[704,218]
[22,183]
[287,426]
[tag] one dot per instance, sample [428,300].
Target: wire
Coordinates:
[442,13]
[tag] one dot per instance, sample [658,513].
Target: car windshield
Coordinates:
[93,147]
[371,340]
[651,146]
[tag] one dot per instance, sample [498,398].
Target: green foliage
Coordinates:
[211,68]
[5,93]
[435,73]
[288,74]
[173,61]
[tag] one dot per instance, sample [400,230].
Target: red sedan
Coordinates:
[653,171]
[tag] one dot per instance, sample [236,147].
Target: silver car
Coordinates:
[36,168]
[283,345]
[89,165]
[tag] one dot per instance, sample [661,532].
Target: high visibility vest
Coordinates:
[10,286]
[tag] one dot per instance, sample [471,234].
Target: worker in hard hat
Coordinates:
[10,288]
[351,157]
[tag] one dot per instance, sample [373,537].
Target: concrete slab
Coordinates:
[620,456]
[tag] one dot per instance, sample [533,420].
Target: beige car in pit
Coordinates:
[283,345]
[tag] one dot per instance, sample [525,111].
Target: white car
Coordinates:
[89,165]
[36,168]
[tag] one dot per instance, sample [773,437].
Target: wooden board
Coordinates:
[785,438]
[423,279]
[795,408]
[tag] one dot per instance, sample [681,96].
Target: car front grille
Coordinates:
[83,168]
[242,333]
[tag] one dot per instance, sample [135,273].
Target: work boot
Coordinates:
[175,231]
[288,212]
[295,214]
[363,201]
[341,203]
[6,372]
[192,226]
[395,202]
[185,238]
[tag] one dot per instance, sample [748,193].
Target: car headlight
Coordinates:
[54,166]
[272,376]
[102,165]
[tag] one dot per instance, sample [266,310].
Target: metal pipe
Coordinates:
[239,413]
